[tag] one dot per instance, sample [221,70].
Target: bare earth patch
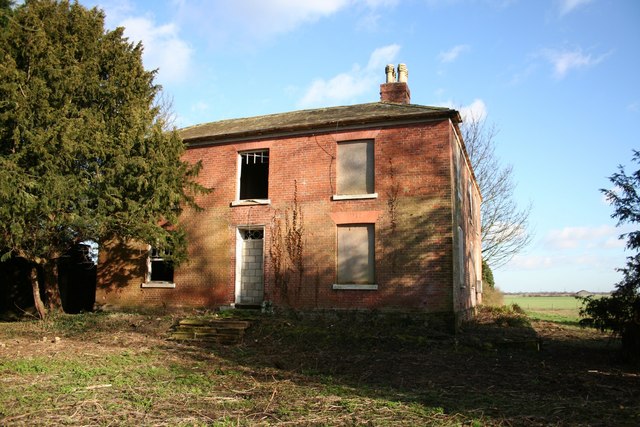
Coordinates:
[120,369]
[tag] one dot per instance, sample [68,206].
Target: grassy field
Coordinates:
[120,369]
[562,309]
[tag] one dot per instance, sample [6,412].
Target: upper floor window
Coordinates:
[254,175]
[355,169]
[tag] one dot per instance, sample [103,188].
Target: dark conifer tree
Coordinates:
[83,152]
[620,313]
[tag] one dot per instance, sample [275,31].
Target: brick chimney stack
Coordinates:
[396,91]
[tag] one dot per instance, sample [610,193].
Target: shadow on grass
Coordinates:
[340,368]
[489,373]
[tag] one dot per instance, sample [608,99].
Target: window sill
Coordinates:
[355,287]
[251,202]
[354,196]
[166,285]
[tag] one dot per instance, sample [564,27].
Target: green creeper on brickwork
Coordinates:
[84,153]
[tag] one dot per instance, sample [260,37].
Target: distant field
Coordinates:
[543,303]
[562,309]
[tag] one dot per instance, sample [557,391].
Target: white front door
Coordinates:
[250,266]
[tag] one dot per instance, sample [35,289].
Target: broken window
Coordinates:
[356,254]
[160,269]
[355,168]
[254,175]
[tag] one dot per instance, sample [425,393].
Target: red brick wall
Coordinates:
[466,215]
[412,216]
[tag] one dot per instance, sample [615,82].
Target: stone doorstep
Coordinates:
[219,331]
[221,323]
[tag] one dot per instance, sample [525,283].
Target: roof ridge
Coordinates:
[307,120]
[309,110]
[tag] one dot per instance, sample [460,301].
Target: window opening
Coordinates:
[160,270]
[254,175]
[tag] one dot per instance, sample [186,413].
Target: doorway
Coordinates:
[250,266]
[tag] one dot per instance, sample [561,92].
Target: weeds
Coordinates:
[511,316]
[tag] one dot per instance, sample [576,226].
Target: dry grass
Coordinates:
[492,297]
[119,369]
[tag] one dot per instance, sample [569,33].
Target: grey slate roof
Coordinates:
[316,120]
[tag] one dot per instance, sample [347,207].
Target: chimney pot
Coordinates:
[390,70]
[403,73]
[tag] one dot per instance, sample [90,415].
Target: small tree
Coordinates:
[83,150]
[487,275]
[620,313]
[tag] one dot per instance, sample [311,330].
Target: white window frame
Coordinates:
[156,283]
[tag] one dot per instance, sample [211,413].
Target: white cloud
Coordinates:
[242,21]
[453,53]
[381,57]
[281,16]
[564,61]
[530,262]
[634,107]
[200,106]
[477,110]
[116,10]
[245,23]
[381,3]
[584,261]
[567,6]
[522,75]
[369,22]
[349,85]
[440,3]
[603,236]
[163,48]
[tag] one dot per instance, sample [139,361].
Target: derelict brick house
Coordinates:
[370,206]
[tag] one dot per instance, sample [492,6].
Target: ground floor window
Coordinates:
[356,254]
[160,269]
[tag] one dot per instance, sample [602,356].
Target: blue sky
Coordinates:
[559,78]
